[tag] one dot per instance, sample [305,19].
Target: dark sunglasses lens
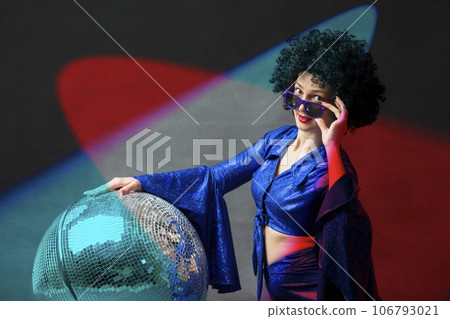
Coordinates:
[313,110]
[292,101]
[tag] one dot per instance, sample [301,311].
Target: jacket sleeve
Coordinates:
[344,241]
[198,193]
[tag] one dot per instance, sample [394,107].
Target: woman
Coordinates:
[312,237]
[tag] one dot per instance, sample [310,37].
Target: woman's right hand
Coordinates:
[124,185]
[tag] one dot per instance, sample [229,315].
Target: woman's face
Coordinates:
[306,89]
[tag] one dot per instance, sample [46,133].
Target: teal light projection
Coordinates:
[258,71]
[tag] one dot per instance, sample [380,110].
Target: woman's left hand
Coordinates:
[334,134]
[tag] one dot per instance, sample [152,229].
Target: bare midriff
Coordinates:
[279,245]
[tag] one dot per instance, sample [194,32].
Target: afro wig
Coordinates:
[336,59]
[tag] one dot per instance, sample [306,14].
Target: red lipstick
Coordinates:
[303,119]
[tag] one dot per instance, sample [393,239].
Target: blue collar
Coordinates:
[304,165]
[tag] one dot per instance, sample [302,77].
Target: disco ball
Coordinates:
[138,247]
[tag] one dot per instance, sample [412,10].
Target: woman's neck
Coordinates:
[307,142]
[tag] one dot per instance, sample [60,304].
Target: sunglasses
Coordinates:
[314,110]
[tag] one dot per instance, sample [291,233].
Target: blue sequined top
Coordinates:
[288,203]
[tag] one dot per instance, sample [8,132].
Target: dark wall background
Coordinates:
[39,37]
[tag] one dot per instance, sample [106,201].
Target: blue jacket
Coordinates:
[335,217]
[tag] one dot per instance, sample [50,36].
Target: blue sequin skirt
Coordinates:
[294,277]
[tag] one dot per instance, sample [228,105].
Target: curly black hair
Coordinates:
[345,66]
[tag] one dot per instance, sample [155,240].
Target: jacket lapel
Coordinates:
[307,163]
